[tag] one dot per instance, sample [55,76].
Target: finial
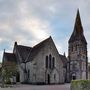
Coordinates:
[78,10]
[50,36]
[15,43]
[64,54]
[78,14]
[4,50]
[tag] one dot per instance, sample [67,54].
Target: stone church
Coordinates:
[42,63]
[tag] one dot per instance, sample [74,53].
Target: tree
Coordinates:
[89,70]
[8,71]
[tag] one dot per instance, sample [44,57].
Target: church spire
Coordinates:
[78,30]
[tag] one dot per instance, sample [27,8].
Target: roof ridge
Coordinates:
[36,47]
[42,42]
[8,53]
[24,46]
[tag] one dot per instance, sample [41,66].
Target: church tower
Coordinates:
[77,52]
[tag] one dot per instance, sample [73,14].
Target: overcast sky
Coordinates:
[30,21]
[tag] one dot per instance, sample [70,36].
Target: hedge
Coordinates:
[80,85]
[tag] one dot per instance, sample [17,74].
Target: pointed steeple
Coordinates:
[78,30]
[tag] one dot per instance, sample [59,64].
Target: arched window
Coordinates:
[50,58]
[46,61]
[53,62]
[50,62]
[28,74]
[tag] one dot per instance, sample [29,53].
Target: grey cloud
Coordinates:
[59,13]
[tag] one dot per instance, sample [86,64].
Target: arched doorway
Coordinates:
[48,79]
[18,77]
[73,76]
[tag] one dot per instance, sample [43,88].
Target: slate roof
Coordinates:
[10,57]
[77,38]
[23,51]
[28,53]
[64,59]
[37,48]
[78,31]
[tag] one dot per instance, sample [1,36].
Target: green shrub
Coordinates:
[7,81]
[80,85]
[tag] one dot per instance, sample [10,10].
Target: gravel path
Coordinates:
[35,87]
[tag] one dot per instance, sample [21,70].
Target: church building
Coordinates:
[42,63]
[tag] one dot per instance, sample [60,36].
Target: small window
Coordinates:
[53,62]
[50,58]
[28,73]
[46,61]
